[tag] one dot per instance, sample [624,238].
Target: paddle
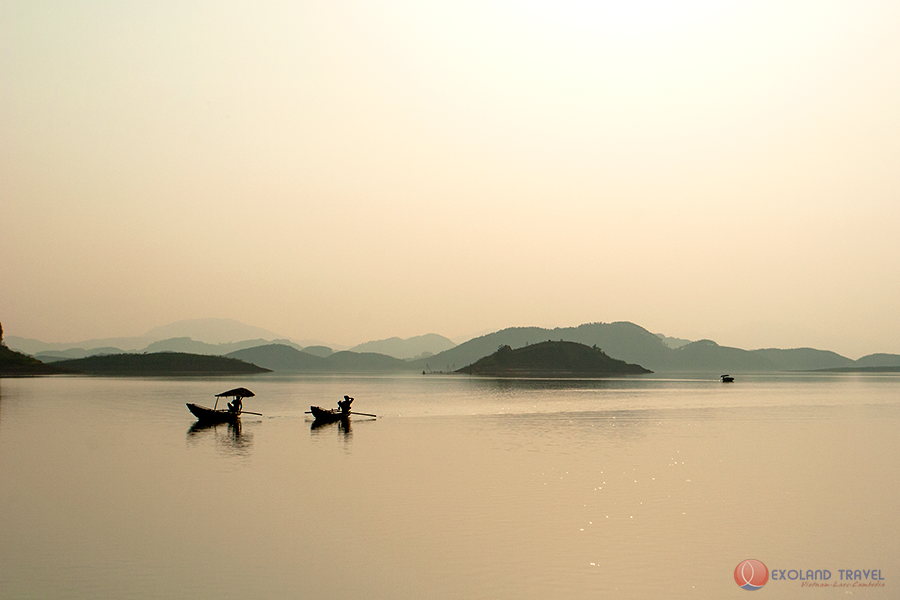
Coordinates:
[247,412]
[365,414]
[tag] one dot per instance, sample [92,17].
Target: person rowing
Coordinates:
[345,404]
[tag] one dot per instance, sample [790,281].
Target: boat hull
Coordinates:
[209,415]
[322,415]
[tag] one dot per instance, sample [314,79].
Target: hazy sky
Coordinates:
[351,171]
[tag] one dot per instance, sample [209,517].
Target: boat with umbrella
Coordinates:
[220,415]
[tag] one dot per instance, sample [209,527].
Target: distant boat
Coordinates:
[217,415]
[726,378]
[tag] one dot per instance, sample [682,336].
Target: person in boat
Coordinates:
[235,405]
[345,404]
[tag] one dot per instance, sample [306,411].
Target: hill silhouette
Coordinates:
[14,363]
[322,351]
[366,362]
[218,334]
[285,359]
[282,359]
[211,331]
[158,363]
[50,356]
[879,360]
[858,369]
[634,344]
[622,340]
[187,344]
[551,359]
[708,355]
[428,344]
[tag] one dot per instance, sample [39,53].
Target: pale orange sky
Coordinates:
[351,171]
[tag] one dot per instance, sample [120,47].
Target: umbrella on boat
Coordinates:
[236,393]
[240,392]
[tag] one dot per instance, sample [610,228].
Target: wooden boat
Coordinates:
[324,415]
[726,378]
[212,415]
[217,415]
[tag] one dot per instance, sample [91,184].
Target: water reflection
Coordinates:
[509,384]
[228,437]
[344,428]
[503,385]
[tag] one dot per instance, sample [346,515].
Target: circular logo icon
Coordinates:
[751,574]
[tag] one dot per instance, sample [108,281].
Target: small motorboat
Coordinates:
[726,378]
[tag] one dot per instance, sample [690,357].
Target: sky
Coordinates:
[353,170]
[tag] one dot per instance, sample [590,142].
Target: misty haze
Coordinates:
[449,300]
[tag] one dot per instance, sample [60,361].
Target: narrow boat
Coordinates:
[324,415]
[212,415]
[218,415]
[727,378]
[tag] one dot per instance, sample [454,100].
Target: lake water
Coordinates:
[464,488]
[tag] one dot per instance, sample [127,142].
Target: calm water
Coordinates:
[466,488]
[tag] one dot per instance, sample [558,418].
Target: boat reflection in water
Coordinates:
[344,428]
[227,437]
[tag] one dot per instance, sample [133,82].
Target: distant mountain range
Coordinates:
[621,340]
[634,344]
[211,331]
[286,359]
[420,346]
[624,341]
[217,337]
[181,344]
[207,336]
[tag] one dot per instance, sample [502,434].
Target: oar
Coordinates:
[247,412]
[365,414]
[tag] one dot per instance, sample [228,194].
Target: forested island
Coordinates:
[551,359]
[159,363]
